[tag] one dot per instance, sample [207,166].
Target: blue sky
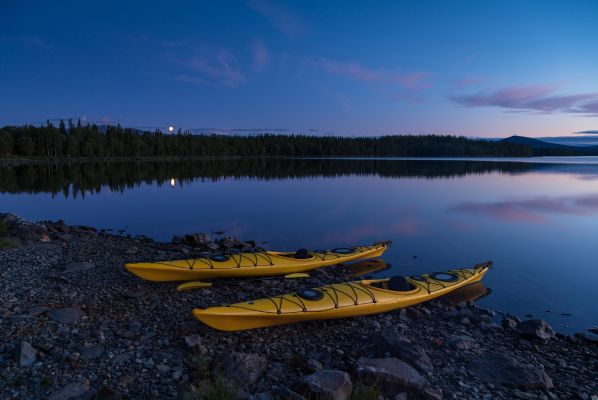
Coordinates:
[350,68]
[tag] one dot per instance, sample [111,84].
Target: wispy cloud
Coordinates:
[212,67]
[260,55]
[412,84]
[31,42]
[341,99]
[537,98]
[532,210]
[590,132]
[351,70]
[279,16]
[467,81]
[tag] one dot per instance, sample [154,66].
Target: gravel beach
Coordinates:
[75,325]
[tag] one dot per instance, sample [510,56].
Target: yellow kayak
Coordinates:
[248,264]
[340,300]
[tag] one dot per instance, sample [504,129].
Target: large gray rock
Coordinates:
[500,369]
[461,342]
[391,341]
[70,391]
[27,354]
[535,328]
[78,267]
[241,368]
[66,315]
[24,230]
[330,385]
[390,375]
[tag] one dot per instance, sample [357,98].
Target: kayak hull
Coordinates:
[246,265]
[340,301]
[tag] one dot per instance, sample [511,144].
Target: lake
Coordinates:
[536,218]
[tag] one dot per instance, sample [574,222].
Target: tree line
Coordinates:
[75,140]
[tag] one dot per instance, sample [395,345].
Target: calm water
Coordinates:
[537,220]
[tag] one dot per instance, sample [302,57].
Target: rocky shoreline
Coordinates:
[75,325]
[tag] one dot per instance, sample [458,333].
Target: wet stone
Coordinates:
[66,315]
[27,354]
[330,384]
[71,391]
[536,329]
[500,369]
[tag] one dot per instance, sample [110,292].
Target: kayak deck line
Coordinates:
[340,300]
[251,264]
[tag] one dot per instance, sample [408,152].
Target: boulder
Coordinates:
[283,392]
[461,342]
[241,368]
[330,385]
[509,324]
[536,329]
[27,354]
[390,375]
[70,391]
[500,369]
[391,341]
[490,327]
[66,315]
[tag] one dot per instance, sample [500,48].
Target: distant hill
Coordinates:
[534,143]
[542,147]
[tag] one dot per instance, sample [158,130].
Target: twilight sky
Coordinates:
[476,68]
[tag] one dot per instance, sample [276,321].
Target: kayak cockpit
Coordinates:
[396,284]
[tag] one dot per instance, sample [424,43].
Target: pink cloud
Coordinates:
[351,70]
[590,107]
[212,68]
[414,80]
[260,55]
[540,98]
[279,16]
[411,83]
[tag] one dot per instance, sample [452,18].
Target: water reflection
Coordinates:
[473,292]
[85,178]
[440,214]
[531,210]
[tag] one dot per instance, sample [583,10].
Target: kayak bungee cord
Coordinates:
[332,291]
[340,300]
[256,262]
[258,253]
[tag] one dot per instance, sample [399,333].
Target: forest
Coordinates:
[74,140]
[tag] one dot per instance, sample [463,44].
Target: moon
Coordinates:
[170,128]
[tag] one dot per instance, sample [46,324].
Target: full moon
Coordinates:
[170,128]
